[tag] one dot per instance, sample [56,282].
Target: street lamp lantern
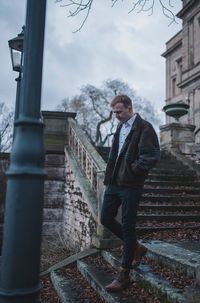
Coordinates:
[16,51]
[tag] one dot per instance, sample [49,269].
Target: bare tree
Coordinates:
[84,6]
[6,127]
[93,109]
[64,106]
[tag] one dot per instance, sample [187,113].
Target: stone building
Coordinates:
[183,66]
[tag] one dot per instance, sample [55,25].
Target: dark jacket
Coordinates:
[139,153]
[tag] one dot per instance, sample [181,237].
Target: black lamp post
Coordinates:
[20,266]
[17,53]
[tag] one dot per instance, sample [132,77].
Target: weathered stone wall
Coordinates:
[54,193]
[79,224]
[70,205]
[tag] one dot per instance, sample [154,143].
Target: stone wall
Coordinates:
[80,213]
[54,194]
[55,138]
[71,206]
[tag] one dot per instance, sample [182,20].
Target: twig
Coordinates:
[84,6]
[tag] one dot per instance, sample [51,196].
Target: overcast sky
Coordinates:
[112,44]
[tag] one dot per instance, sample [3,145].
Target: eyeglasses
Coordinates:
[117,112]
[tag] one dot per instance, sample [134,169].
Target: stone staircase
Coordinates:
[170,271]
[171,198]
[91,271]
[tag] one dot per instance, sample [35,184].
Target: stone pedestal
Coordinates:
[55,133]
[178,136]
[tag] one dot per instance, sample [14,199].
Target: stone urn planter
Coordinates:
[176,110]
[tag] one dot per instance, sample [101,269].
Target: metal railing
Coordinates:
[85,153]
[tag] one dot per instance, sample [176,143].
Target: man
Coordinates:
[135,149]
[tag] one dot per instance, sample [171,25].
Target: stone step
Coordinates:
[172,190]
[170,164]
[173,256]
[71,286]
[171,177]
[167,157]
[170,183]
[98,280]
[168,217]
[173,171]
[171,198]
[169,207]
[64,287]
[148,280]
[145,228]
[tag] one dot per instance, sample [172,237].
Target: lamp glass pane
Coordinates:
[16,59]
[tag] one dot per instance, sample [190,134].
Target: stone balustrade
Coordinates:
[89,159]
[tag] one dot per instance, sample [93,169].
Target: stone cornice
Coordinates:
[186,8]
[172,48]
[189,79]
[58,115]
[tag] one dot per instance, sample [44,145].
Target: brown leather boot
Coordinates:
[120,282]
[140,252]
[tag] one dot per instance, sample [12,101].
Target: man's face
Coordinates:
[122,113]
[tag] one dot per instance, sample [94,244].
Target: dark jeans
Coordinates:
[129,199]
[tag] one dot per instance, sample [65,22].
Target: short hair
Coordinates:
[124,99]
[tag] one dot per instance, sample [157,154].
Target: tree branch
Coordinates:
[145,6]
[78,7]
[98,128]
[84,6]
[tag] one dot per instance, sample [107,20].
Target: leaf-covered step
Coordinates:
[171,183]
[173,256]
[170,198]
[96,268]
[169,217]
[72,287]
[182,190]
[173,171]
[171,177]
[98,280]
[171,164]
[180,208]
[150,281]
[148,227]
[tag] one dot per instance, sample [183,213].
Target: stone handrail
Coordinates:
[87,156]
